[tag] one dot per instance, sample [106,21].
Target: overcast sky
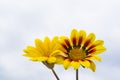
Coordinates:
[21,21]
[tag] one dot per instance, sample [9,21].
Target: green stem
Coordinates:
[77,74]
[55,74]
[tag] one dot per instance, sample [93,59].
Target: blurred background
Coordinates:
[21,21]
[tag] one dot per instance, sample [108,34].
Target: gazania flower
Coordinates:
[44,51]
[81,50]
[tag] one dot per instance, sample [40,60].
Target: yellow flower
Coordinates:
[44,51]
[81,50]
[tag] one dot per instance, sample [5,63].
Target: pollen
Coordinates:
[77,54]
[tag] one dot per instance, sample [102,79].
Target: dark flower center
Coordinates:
[77,54]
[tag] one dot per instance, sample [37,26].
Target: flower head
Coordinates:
[81,50]
[44,51]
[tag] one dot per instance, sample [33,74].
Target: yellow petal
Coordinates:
[100,49]
[63,44]
[62,49]
[32,52]
[97,50]
[34,59]
[39,45]
[73,33]
[26,51]
[81,37]
[51,60]
[75,64]
[54,44]
[72,63]
[97,58]
[66,64]
[30,48]
[89,40]
[47,43]
[27,55]
[59,59]
[65,40]
[92,66]
[95,44]
[39,58]
[73,36]
[31,55]
[98,42]
[91,37]
[85,63]
[54,39]
[57,52]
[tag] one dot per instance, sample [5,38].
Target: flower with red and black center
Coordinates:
[81,49]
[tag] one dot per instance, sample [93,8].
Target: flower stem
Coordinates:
[55,74]
[77,74]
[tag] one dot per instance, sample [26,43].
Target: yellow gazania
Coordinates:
[44,51]
[81,49]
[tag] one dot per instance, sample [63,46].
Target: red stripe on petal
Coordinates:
[91,47]
[92,51]
[74,41]
[67,42]
[87,43]
[64,46]
[75,60]
[80,41]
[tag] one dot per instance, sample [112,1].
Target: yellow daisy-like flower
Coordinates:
[81,49]
[45,51]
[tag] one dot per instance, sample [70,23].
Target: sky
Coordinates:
[22,21]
